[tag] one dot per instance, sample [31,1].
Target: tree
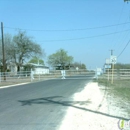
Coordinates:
[60,58]
[83,66]
[79,65]
[19,49]
[122,66]
[36,60]
[126,1]
[23,48]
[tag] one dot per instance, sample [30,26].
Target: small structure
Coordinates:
[98,71]
[12,67]
[39,69]
[65,67]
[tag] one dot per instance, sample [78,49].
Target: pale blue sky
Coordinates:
[72,25]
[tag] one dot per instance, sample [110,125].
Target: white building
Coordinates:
[39,69]
[12,67]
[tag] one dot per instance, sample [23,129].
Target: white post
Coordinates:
[96,73]
[63,74]
[32,75]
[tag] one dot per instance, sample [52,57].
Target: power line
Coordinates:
[82,29]
[85,37]
[124,49]
[116,28]
[119,41]
[120,44]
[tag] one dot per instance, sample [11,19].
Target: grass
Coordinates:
[120,89]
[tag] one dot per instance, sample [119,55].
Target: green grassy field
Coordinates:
[120,89]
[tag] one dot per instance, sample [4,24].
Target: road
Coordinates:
[40,105]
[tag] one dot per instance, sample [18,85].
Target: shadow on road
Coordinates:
[58,100]
[53,100]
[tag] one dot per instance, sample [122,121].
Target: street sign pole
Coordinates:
[113,61]
[108,66]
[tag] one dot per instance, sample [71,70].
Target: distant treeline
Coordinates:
[122,66]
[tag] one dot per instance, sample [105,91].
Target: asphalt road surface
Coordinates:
[38,106]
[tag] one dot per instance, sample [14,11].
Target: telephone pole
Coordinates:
[112,66]
[3,49]
[111,52]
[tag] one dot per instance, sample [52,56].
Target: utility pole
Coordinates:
[3,50]
[111,52]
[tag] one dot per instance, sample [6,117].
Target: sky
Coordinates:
[86,29]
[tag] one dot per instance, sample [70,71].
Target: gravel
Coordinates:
[94,111]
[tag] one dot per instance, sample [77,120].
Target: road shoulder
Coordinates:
[91,112]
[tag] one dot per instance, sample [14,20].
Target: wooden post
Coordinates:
[108,74]
[112,73]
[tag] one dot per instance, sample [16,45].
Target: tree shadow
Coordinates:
[59,100]
[53,100]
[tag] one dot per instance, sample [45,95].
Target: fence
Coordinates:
[116,74]
[27,76]
[23,76]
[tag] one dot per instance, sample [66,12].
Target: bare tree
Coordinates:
[20,48]
[23,48]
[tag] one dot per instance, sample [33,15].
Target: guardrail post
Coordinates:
[63,74]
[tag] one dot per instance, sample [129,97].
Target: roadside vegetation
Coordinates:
[120,90]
